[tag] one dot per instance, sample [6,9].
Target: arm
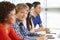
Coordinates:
[34,34]
[41,26]
[3,35]
[44,29]
[13,35]
[40,22]
[25,32]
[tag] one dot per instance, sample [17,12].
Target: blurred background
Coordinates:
[50,14]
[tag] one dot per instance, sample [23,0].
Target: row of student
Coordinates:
[11,21]
[33,18]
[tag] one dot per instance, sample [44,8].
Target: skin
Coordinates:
[10,19]
[22,14]
[37,10]
[32,11]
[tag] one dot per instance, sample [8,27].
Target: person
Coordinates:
[28,19]
[22,11]
[36,17]
[7,17]
[29,22]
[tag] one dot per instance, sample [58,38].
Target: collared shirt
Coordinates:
[36,20]
[25,32]
[16,29]
[11,35]
[19,30]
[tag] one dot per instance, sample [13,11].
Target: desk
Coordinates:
[54,32]
[55,35]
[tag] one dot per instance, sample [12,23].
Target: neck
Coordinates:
[19,22]
[35,14]
[6,25]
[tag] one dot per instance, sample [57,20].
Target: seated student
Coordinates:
[28,19]
[29,22]
[36,17]
[22,11]
[7,17]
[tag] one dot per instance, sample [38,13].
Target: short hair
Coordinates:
[21,6]
[29,5]
[5,9]
[36,3]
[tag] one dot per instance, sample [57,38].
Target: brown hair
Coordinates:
[36,3]
[28,19]
[29,22]
[21,6]
[5,9]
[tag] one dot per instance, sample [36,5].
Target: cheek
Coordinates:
[25,16]
[38,10]
[19,16]
[11,20]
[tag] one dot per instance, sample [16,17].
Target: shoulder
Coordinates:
[1,27]
[15,25]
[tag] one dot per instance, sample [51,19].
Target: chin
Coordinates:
[22,19]
[12,22]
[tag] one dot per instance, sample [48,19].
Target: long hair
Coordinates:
[28,19]
[28,22]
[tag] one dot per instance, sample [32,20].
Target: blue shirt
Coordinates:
[23,32]
[36,20]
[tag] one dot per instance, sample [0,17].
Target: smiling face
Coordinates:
[11,17]
[38,9]
[21,11]
[32,11]
[22,14]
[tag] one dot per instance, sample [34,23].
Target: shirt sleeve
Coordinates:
[13,35]
[33,34]
[3,35]
[39,19]
[25,32]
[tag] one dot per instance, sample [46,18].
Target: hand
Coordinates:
[32,30]
[47,30]
[42,37]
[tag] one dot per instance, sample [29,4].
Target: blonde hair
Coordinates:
[21,6]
